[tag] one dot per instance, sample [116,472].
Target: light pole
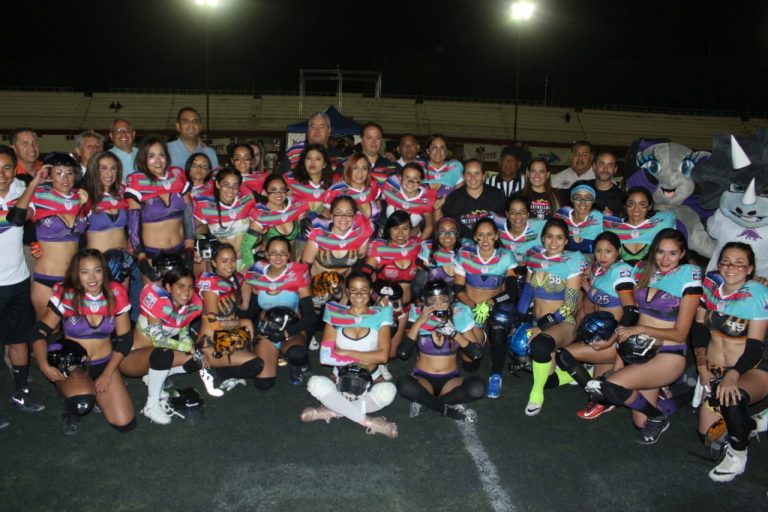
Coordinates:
[521,12]
[207,5]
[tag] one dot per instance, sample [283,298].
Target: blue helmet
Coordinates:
[638,348]
[503,314]
[518,340]
[597,326]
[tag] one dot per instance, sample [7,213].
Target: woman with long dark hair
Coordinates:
[91,310]
[667,294]
[405,192]
[312,177]
[538,189]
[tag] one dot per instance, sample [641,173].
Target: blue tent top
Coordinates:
[340,124]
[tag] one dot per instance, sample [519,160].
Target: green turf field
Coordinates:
[252,453]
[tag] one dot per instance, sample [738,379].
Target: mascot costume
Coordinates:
[664,169]
[735,179]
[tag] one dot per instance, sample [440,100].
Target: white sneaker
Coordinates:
[385,373]
[210,385]
[314,345]
[163,393]
[761,419]
[230,384]
[158,412]
[533,409]
[733,464]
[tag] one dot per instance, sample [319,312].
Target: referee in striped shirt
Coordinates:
[510,178]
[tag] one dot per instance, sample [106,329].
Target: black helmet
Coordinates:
[386,288]
[597,326]
[275,322]
[435,289]
[206,245]
[638,348]
[59,158]
[166,261]
[119,263]
[353,380]
[68,356]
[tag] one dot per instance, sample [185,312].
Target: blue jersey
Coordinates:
[603,291]
[589,228]
[549,275]
[449,176]
[729,315]
[665,303]
[484,274]
[520,245]
[339,316]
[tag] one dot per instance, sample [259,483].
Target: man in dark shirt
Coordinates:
[610,198]
[473,201]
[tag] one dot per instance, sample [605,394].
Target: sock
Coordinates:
[563,377]
[540,376]
[20,376]
[155,381]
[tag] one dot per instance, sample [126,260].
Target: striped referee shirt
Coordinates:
[508,187]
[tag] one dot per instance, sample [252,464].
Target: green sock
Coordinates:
[540,376]
[563,377]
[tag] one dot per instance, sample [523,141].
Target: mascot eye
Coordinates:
[652,166]
[735,187]
[686,166]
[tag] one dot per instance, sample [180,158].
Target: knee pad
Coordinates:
[614,393]
[542,347]
[297,355]
[409,387]
[498,334]
[319,386]
[125,428]
[79,405]
[474,387]
[264,384]
[161,359]
[383,393]
[250,369]
[565,359]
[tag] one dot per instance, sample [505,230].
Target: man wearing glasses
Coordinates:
[122,136]
[580,169]
[189,127]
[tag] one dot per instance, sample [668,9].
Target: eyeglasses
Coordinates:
[448,233]
[517,213]
[737,266]
[278,254]
[277,191]
[229,186]
[578,199]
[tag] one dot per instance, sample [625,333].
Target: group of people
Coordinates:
[153,261]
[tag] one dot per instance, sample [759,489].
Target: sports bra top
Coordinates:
[484,274]
[669,289]
[149,193]
[729,315]
[448,177]
[550,275]
[388,255]
[225,221]
[367,196]
[605,285]
[374,319]
[588,229]
[282,290]
[100,218]
[519,245]
[48,205]
[74,321]
[462,319]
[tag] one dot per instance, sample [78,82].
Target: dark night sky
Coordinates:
[656,53]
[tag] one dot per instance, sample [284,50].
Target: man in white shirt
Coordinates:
[15,305]
[580,169]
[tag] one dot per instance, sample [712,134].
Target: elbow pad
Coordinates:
[40,331]
[406,347]
[17,216]
[700,336]
[134,231]
[250,240]
[123,343]
[525,299]
[473,351]
[188,221]
[630,316]
[753,352]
